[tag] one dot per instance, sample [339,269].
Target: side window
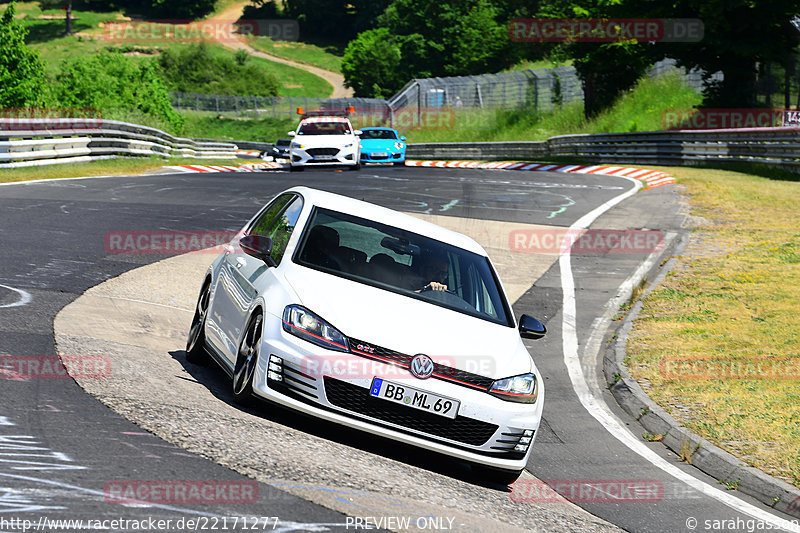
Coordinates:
[283,228]
[278,222]
[264,222]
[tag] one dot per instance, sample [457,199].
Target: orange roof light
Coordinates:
[300,111]
[351,109]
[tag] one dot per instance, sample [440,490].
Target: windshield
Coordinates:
[403,262]
[324,128]
[378,134]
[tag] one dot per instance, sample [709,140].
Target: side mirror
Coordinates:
[531,328]
[290,134]
[259,247]
[402,137]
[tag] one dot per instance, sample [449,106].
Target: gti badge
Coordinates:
[421,366]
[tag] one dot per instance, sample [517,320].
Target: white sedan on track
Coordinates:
[325,141]
[376,320]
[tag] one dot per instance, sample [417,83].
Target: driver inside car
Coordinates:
[434,274]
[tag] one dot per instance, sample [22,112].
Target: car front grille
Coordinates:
[322,151]
[357,399]
[440,371]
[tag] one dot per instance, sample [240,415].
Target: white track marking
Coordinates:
[597,408]
[282,525]
[24,297]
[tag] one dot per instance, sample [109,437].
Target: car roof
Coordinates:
[378,128]
[312,120]
[345,204]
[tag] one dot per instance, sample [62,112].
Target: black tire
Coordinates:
[357,166]
[293,168]
[246,360]
[195,344]
[399,163]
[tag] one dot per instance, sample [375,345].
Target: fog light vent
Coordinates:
[275,370]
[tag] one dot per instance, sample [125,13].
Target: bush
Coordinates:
[196,69]
[22,74]
[115,84]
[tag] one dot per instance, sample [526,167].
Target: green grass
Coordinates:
[199,125]
[534,65]
[731,299]
[296,82]
[292,81]
[47,37]
[327,58]
[640,109]
[108,167]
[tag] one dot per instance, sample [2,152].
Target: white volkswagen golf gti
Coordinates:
[376,320]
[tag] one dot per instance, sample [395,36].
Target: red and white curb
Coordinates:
[251,167]
[653,178]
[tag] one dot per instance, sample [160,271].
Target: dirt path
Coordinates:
[234,12]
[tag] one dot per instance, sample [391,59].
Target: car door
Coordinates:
[235,288]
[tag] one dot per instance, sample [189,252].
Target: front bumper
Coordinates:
[335,386]
[383,157]
[344,156]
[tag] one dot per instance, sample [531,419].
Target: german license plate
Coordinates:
[324,158]
[411,397]
[378,155]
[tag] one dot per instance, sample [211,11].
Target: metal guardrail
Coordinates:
[772,146]
[44,141]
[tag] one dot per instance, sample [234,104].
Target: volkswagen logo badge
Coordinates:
[421,366]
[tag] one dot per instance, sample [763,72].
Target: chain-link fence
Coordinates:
[541,89]
[254,107]
[693,78]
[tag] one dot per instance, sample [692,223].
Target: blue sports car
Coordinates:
[382,145]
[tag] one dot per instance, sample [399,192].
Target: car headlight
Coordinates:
[520,389]
[296,145]
[302,323]
[399,145]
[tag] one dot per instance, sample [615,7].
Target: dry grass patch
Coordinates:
[717,343]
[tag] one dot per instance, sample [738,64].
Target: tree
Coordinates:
[607,70]
[370,64]
[22,73]
[58,4]
[334,20]
[738,35]
[455,38]
[459,37]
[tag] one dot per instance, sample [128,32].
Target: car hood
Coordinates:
[386,145]
[314,141]
[383,318]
